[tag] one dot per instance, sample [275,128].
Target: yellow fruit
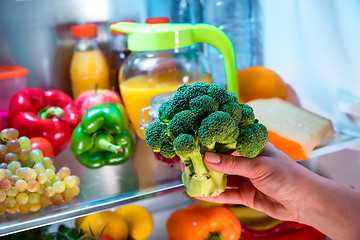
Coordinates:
[253,219]
[260,82]
[105,223]
[138,220]
[202,202]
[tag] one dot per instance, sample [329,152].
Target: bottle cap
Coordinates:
[115,32]
[12,71]
[84,31]
[156,20]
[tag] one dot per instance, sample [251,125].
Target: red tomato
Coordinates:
[44,145]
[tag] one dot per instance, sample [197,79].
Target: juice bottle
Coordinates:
[118,54]
[89,68]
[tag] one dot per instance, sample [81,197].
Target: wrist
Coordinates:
[333,209]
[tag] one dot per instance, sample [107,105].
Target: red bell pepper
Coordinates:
[44,145]
[50,114]
[279,229]
[283,231]
[2,125]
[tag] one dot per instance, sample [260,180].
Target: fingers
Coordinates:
[229,196]
[239,190]
[246,167]
[233,181]
[231,164]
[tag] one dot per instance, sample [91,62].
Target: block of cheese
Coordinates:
[291,129]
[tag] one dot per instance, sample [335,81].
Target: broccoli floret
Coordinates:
[167,150]
[167,110]
[203,105]
[252,140]
[247,115]
[195,89]
[234,109]
[204,117]
[157,138]
[220,94]
[182,122]
[186,146]
[154,135]
[218,127]
[182,88]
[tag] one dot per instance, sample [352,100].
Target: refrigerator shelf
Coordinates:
[140,178]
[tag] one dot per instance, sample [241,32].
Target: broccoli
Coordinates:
[247,115]
[252,139]
[204,117]
[218,127]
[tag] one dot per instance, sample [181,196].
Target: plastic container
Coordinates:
[12,79]
[89,68]
[119,52]
[241,21]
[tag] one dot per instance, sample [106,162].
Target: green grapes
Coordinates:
[25,143]
[28,180]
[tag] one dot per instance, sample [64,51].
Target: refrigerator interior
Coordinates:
[312,45]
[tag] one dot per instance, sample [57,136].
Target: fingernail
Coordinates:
[212,157]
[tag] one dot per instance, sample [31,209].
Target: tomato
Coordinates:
[106,223]
[44,145]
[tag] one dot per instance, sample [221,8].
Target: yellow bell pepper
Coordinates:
[253,219]
[130,220]
[138,220]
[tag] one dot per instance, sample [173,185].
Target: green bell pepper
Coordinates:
[104,136]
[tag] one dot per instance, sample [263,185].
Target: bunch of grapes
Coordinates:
[28,180]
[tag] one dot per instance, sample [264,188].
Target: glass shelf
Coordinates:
[140,178]
[110,186]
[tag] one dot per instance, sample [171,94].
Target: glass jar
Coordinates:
[147,74]
[153,109]
[153,115]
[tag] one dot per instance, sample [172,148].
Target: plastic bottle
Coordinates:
[187,11]
[241,21]
[89,68]
[119,52]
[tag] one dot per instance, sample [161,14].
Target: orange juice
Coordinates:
[137,91]
[89,69]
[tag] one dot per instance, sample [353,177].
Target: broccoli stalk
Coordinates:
[198,179]
[199,118]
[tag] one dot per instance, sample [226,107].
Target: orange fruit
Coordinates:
[260,82]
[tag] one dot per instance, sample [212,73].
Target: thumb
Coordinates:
[229,164]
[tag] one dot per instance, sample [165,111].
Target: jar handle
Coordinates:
[207,33]
[143,124]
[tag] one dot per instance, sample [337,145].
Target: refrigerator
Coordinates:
[312,45]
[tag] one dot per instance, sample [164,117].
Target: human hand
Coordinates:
[271,182]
